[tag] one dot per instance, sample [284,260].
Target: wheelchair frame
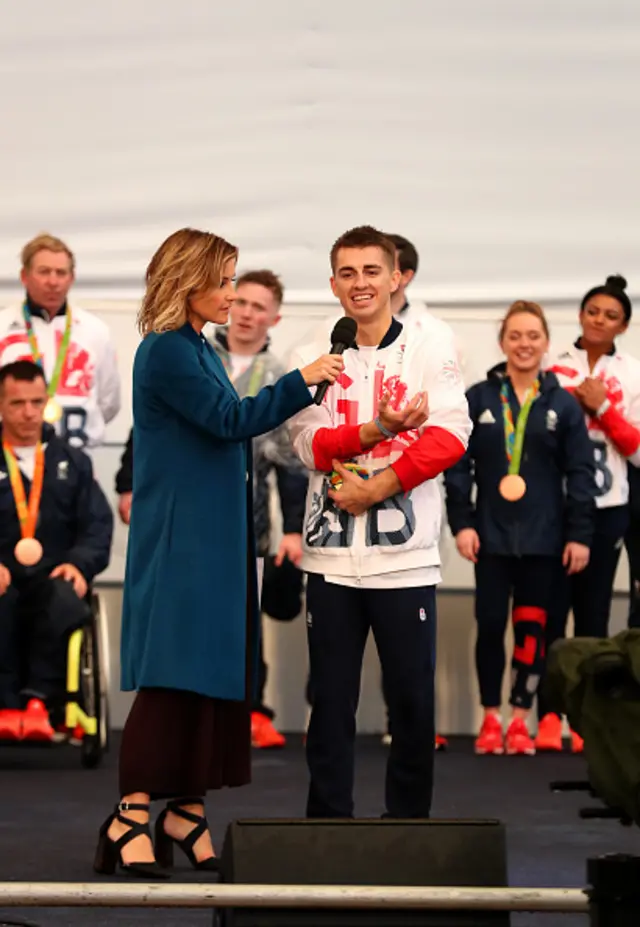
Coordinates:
[88,675]
[87,688]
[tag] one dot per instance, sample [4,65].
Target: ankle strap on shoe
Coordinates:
[189,800]
[131,806]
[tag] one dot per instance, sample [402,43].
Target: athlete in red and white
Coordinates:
[606,382]
[399,415]
[88,390]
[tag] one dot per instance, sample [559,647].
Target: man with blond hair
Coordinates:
[73,347]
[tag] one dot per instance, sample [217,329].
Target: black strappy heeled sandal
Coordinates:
[164,842]
[109,852]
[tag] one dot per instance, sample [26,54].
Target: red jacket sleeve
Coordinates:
[435,450]
[624,435]
[331,444]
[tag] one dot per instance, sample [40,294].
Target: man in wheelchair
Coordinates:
[56,528]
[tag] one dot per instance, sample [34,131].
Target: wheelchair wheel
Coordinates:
[94,683]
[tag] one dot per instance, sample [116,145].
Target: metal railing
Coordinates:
[215,895]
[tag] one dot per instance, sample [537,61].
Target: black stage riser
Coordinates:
[364,852]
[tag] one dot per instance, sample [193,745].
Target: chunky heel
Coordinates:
[164,842]
[109,852]
[106,857]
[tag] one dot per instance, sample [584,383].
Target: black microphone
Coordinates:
[343,337]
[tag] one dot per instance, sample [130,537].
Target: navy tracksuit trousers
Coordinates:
[403,622]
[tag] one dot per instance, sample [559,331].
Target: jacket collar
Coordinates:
[221,337]
[41,313]
[498,374]
[578,346]
[390,336]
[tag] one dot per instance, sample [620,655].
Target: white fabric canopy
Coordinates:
[502,138]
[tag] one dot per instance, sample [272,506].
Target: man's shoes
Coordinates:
[35,722]
[549,736]
[10,724]
[441,743]
[263,734]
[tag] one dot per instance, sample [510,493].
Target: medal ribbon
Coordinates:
[514,432]
[257,373]
[52,386]
[27,513]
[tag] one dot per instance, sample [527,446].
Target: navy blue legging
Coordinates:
[527,581]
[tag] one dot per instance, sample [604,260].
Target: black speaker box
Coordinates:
[363,852]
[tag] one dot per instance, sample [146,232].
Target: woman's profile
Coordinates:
[189,624]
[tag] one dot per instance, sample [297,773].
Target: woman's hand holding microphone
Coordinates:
[326,368]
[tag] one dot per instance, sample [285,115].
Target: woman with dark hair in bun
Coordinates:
[606,383]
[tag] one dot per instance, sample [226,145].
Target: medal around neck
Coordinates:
[512,487]
[28,551]
[52,411]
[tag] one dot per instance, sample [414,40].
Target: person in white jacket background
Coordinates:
[396,418]
[73,347]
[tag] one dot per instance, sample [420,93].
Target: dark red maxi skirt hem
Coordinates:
[178,743]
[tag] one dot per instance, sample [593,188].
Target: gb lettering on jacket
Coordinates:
[401,367]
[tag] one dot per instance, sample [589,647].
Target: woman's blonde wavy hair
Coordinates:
[188,262]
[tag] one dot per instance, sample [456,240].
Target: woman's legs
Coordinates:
[493,590]
[154,764]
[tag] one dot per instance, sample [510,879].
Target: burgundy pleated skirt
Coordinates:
[178,743]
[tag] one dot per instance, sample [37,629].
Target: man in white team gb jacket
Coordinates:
[73,347]
[396,418]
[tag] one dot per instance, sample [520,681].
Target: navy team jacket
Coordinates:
[557,465]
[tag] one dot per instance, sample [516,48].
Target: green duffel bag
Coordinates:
[596,684]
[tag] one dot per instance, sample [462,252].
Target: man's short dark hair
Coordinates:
[24,370]
[265,278]
[407,254]
[364,236]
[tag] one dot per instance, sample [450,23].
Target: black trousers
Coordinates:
[403,622]
[588,594]
[528,580]
[37,615]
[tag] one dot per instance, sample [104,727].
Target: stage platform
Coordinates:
[52,808]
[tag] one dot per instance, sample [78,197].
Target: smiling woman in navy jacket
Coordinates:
[531,462]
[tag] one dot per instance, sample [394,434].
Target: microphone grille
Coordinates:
[344,331]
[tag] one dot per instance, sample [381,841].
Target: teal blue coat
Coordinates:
[191,554]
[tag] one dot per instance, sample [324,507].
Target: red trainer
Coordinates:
[441,742]
[490,737]
[10,724]
[577,743]
[263,733]
[77,736]
[517,740]
[35,722]
[549,736]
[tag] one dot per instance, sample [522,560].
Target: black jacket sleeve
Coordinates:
[124,476]
[459,481]
[292,489]
[579,471]
[91,551]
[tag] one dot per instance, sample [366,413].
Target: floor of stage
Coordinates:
[51,811]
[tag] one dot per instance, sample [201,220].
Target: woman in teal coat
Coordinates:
[190,620]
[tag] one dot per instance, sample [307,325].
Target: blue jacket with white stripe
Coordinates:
[557,466]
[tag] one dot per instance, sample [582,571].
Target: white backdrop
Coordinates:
[504,138]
